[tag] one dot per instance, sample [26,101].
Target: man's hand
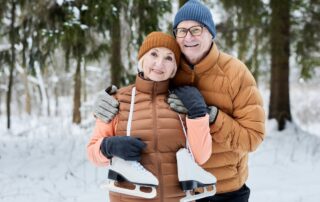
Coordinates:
[176,104]
[192,100]
[106,106]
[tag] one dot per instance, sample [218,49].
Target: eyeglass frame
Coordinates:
[188,30]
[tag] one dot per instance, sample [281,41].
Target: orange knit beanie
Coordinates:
[160,39]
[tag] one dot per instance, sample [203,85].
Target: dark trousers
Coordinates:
[241,195]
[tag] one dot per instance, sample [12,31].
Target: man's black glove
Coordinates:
[192,100]
[125,147]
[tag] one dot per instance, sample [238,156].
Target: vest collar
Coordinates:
[147,86]
[205,64]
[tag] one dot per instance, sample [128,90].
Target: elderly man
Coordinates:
[236,113]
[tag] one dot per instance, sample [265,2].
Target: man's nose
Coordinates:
[189,35]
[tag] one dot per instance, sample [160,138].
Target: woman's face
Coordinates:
[158,64]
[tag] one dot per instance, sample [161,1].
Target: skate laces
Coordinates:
[134,164]
[186,136]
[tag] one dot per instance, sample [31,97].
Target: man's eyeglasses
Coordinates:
[194,31]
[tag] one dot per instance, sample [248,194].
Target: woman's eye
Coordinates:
[169,58]
[154,54]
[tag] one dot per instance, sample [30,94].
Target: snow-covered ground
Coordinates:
[286,167]
[44,158]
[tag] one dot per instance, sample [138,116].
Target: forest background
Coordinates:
[57,55]
[51,50]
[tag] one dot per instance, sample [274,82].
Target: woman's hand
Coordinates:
[125,147]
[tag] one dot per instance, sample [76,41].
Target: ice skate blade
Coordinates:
[132,192]
[189,197]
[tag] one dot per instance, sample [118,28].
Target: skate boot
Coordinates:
[192,176]
[133,172]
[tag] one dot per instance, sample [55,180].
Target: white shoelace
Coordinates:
[185,134]
[133,94]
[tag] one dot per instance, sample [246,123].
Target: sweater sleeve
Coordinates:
[101,131]
[199,138]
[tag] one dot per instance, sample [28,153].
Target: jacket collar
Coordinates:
[147,86]
[205,64]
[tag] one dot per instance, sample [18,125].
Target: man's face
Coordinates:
[194,47]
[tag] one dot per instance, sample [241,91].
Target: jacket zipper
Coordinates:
[192,77]
[154,114]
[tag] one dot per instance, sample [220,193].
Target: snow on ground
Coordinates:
[44,158]
[286,167]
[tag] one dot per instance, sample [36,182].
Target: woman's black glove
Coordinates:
[192,100]
[125,147]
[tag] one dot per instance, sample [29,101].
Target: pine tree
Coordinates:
[279,107]
[306,36]
[12,38]
[246,31]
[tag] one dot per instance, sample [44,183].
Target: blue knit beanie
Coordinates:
[196,11]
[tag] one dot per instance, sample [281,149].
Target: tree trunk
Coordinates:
[279,107]
[77,93]
[12,62]
[67,59]
[25,78]
[56,98]
[115,57]
[255,63]
[43,91]
[84,85]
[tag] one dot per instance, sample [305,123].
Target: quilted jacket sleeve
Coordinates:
[101,131]
[244,129]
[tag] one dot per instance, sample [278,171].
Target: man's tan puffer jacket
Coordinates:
[226,83]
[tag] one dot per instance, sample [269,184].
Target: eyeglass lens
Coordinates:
[194,31]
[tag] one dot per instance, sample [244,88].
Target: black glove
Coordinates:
[192,100]
[125,147]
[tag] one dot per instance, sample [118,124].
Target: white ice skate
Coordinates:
[133,172]
[192,176]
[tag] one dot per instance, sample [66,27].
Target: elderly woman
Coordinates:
[147,130]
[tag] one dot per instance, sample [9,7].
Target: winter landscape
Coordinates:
[44,158]
[43,154]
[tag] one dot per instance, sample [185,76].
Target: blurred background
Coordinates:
[57,55]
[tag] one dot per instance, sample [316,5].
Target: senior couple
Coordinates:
[217,93]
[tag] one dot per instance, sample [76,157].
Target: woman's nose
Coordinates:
[160,62]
